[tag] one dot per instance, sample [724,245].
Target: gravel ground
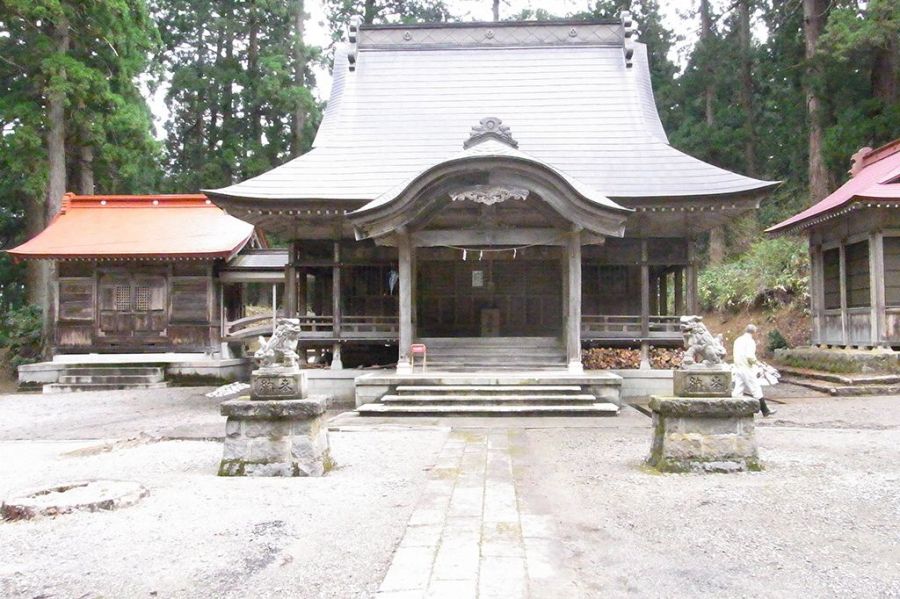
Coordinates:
[197,535]
[819,522]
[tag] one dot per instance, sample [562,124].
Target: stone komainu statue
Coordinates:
[702,348]
[281,348]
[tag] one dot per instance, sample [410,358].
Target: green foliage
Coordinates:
[384,11]
[20,335]
[776,341]
[238,73]
[773,272]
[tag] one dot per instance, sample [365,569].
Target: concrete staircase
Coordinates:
[460,354]
[108,378]
[495,394]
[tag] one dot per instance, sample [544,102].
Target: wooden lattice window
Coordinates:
[122,298]
[856,275]
[142,295]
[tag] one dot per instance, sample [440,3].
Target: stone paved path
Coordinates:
[470,535]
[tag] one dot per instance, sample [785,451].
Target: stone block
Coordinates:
[714,407]
[702,382]
[703,434]
[275,438]
[278,383]
[295,410]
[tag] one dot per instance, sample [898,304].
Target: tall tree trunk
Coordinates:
[369,11]
[496,9]
[299,123]
[35,270]
[228,132]
[85,158]
[709,92]
[254,76]
[746,92]
[884,74]
[717,233]
[56,166]
[813,25]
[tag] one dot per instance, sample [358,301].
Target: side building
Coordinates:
[854,251]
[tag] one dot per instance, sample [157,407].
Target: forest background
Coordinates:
[779,90]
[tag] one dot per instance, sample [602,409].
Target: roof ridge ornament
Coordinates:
[630,35]
[353,37]
[490,127]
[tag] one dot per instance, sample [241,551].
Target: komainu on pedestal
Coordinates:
[702,428]
[278,430]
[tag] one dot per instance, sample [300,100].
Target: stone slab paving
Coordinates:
[469,534]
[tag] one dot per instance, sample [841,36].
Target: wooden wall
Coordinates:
[137,306]
[855,278]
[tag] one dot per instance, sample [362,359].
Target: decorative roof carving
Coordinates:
[353,37]
[492,35]
[490,128]
[489,194]
[631,34]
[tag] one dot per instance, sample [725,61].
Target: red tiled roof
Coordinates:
[876,177]
[107,227]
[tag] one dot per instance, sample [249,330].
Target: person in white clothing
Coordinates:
[744,372]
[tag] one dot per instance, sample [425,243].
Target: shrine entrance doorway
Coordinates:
[490,293]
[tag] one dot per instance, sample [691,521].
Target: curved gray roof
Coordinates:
[565,90]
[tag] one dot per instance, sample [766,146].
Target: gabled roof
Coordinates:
[492,148]
[577,96]
[108,227]
[875,177]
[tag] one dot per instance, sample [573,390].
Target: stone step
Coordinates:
[488,399]
[109,379]
[842,390]
[592,409]
[65,388]
[841,379]
[403,389]
[114,370]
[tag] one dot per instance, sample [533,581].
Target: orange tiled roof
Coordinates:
[104,227]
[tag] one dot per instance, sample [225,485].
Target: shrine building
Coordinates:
[488,189]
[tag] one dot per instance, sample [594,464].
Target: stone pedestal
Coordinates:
[277,430]
[703,434]
[285,437]
[702,382]
[278,383]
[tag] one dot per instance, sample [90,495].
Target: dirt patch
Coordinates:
[794,324]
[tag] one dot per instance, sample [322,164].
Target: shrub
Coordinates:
[772,272]
[776,341]
[20,335]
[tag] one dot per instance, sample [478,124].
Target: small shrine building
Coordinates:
[854,250]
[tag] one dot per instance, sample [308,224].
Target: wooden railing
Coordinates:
[628,326]
[318,327]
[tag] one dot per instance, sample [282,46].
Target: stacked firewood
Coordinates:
[619,358]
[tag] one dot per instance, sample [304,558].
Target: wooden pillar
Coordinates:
[573,301]
[336,363]
[816,299]
[876,287]
[664,293]
[842,264]
[645,292]
[404,255]
[679,290]
[690,273]
[290,284]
